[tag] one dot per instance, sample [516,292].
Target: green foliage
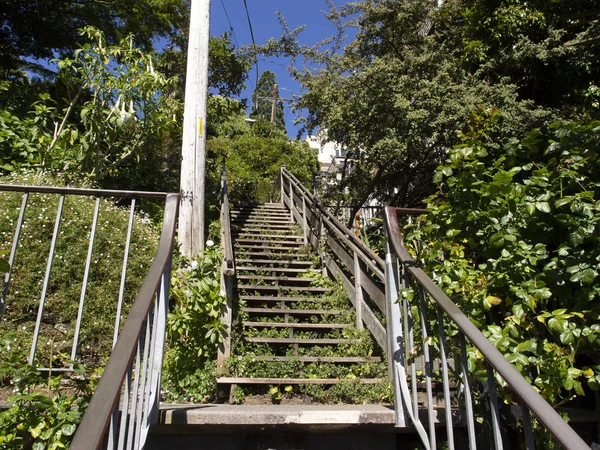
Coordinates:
[195,329]
[253,164]
[39,29]
[118,114]
[514,241]
[394,96]
[38,421]
[64,288]
[526,42]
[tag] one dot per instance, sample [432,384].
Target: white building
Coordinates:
[330,154]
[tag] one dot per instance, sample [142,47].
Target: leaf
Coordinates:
[563,201]
[527,346]
[557,325]
[4,266]
[494,300]
[497,240]
[577,237]
[586,276]
[543,207]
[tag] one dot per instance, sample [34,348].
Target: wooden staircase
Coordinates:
[288,312]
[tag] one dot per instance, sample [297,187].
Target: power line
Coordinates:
[252,36]
[230,26]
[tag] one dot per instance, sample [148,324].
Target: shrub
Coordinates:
[195,329]
[514,241]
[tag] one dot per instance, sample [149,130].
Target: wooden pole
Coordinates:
[193,163]
[274,104]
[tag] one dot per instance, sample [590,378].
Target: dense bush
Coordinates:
[515,242]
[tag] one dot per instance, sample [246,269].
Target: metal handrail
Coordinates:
[227,272]
[228,257]
[527,395]
[83,191]
[94,426]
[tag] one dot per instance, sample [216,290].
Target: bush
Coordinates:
[39,421]
[195,329]
[515,242]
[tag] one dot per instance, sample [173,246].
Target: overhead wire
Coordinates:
[252,36]
[230,26]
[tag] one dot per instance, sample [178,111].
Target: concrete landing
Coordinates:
[319,416]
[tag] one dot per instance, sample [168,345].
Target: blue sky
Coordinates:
[266,25]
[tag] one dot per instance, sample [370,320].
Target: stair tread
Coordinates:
[275,278]
[292,311]
[274,254]
[269,247]
[246,380]
[260,220]
[331,359]
[312,341]
[271,269]
[288,288]
[269,241]
[277,261]
[263,298]
[276,236]
[295,325]
[260,227]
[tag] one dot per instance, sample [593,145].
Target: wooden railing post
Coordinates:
[358,291]
[305,221]
[281,185]
[321,250]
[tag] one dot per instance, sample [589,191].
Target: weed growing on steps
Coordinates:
[194,329]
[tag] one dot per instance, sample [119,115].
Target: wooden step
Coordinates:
[245,206]
[320,359]
[279,262]
[263,242]
[270,381]
[270,269]
[264,298]
[276,278]
[262,220]
[275,255]
[312,326]
[259,237]
[256,287]
[259,228]
[293,312]
[300,341]
[262,214]
[271,248]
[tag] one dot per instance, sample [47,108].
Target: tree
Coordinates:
[39,29]
[548,49]
[394,96]
[118,116]
[262,103]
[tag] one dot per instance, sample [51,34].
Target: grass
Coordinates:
[57,327]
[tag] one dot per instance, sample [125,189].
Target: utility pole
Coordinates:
[274,99]
[274,104]
[193,162]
